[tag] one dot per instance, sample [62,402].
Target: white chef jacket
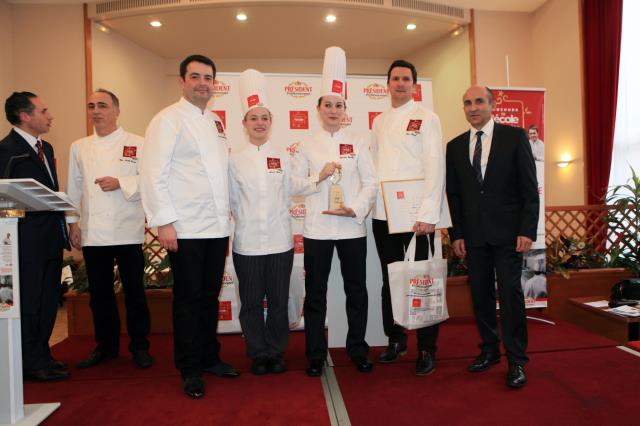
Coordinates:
[112,217]
[260,187]
[184,174]
[406,143]
[537,148]
[359,183]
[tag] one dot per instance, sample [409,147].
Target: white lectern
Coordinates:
[16,197]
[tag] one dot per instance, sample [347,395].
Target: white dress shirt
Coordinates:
[407,144]
[486,138]
[112,217]
[359,183]
[184,174]
[260,186]
[32,140]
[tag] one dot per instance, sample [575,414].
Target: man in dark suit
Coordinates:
[493,198]
[41,235]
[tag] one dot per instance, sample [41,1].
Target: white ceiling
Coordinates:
[503,5]
[286,30]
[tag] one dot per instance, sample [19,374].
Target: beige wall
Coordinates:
[558,66]
[134,74]
[500,35]
[544,51]
[447,62]
[48,59]
[6,64]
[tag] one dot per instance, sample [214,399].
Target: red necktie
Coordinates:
[40,152]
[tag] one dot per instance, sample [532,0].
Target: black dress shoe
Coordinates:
[277,365]
[425,364]
[54,364]
[516,378]
[362,363]
[142,359]
[193,387]
[46,375]
[260,366]
[314,369]
[95,358]
[392,353]
[484,361]
[222,369]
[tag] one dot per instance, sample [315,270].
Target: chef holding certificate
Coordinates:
[335,217]
[406,143]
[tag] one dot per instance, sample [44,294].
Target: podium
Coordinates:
[18,196]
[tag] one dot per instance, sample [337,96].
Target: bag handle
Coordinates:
[436,253]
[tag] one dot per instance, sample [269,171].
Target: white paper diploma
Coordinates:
[402,202]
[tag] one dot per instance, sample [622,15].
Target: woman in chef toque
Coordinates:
[335,216]
[260,186]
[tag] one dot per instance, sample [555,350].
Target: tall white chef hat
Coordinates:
[334,73]
[253,90]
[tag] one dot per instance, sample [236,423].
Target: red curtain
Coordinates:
[602,30]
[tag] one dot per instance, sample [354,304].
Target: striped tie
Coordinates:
[477,156]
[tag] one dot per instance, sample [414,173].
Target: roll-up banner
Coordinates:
[524,107]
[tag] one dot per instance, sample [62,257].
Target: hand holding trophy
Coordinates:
[336,194]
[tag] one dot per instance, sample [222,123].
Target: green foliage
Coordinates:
[572,253]
[624,223]
[157,273]
[455,265]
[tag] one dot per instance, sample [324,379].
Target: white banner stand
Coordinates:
[16,197]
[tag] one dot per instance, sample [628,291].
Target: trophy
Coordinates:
[336,195]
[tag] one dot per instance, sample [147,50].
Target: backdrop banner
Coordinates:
[293,99]
[524,107]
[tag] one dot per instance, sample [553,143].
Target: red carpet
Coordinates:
[459,339]
[118,393]
[575,378]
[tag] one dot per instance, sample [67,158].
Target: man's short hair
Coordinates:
[489,95]
[114,98]
[533,127]
[401,63]
[16,103]
[196,58]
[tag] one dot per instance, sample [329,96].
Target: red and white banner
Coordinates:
[524,107]
[292,101]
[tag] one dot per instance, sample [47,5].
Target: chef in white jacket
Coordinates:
[103,183]
[406,142]
[260,186]
[185,194]
[343,226]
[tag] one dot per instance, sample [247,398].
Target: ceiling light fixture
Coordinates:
[330,19]
[457,32]
[411,27]
[155,24]
[241,17]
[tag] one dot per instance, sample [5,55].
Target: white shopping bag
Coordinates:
[419,288]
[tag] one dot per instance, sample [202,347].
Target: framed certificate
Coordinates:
[402,202]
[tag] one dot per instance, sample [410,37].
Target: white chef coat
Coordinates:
[112,217]
[260,187]
[537,148]
[184,174]
[406,143]
[359,183]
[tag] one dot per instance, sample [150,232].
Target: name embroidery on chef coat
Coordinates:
[413,128]
[273,165]
[346,151]
[129,154]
